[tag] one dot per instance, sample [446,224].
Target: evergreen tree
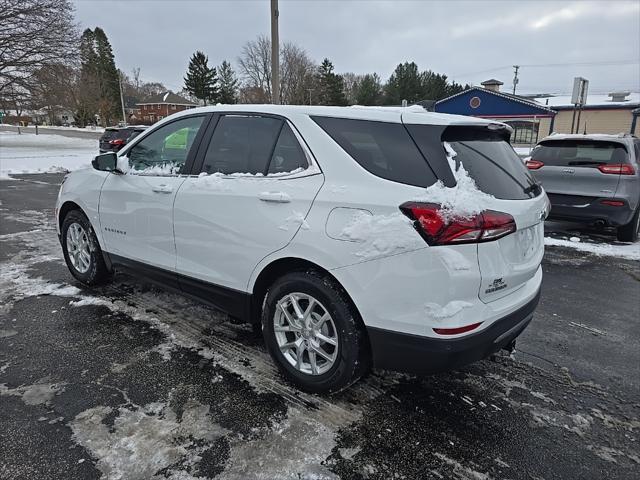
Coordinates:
[108,78]
[405,83]
[369,90]
[99,90]
[201,80]
[88,90]
[228,84]
[330,85]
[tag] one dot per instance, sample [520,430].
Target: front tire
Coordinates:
[81,249]
[313,333]
[630,231]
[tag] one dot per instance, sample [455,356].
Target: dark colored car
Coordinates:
[114,138]
[593,179]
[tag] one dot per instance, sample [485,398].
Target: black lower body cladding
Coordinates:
[423,355]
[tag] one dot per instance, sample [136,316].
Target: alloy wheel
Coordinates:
[78,247]
[305,333]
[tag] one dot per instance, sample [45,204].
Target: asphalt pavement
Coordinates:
[129,382]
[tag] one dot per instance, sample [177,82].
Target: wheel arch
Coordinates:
[280,267]
[65,208]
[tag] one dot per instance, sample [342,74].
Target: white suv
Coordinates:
[389,237]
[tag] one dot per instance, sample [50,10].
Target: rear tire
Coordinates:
[81,249]
[333,344]
[630,231]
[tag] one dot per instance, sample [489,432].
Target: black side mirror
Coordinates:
[106,162]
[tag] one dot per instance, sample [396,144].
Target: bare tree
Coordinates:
[34,34]
[351,84]
[255,67]
[54,89]
[296,72]
[296,75]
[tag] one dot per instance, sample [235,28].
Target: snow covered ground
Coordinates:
[29,153]
[630,251]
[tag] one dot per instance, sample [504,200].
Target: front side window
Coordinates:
[166,149]
[242,144]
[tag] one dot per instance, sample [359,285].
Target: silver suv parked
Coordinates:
[593,179]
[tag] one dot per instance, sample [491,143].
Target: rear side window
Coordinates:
[383,149]
[242,145]
[579,153]
[288,154]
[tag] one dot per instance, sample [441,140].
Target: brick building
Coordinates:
[159,106]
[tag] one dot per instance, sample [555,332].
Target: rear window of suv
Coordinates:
[382,148]
[486,155]
[579,153]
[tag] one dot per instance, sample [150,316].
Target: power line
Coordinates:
[537,65]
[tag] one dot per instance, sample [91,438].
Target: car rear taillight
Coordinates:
[457,330]
[117,141]
[617,169]
[483,227]
[534,164]
[613,203]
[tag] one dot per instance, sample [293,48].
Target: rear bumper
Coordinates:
[590,211]
[418,354]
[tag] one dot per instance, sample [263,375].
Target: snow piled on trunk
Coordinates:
[463,200]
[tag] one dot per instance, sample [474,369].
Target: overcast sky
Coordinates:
[470,41]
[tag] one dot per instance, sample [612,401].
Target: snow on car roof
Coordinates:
[593,100]
[414,114]
[621,137]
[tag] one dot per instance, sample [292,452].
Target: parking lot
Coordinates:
[129,382]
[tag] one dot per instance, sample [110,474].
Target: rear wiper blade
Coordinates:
[586,162]
[533,188]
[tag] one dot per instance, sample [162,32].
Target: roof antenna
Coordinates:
[585,128]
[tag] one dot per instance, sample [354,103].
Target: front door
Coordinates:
[136,208]
[256,186]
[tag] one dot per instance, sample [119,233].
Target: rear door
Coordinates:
[257,181]
[574,173]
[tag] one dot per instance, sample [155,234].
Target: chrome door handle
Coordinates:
[275,197]
[162,189]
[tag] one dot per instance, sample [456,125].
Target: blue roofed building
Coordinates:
[530,120]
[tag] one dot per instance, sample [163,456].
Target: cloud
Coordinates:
[374,36]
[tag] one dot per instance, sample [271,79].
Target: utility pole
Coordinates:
[124,115]
[515,77]
[275,54]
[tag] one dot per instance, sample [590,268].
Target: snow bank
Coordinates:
[44,153]
[630,251]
